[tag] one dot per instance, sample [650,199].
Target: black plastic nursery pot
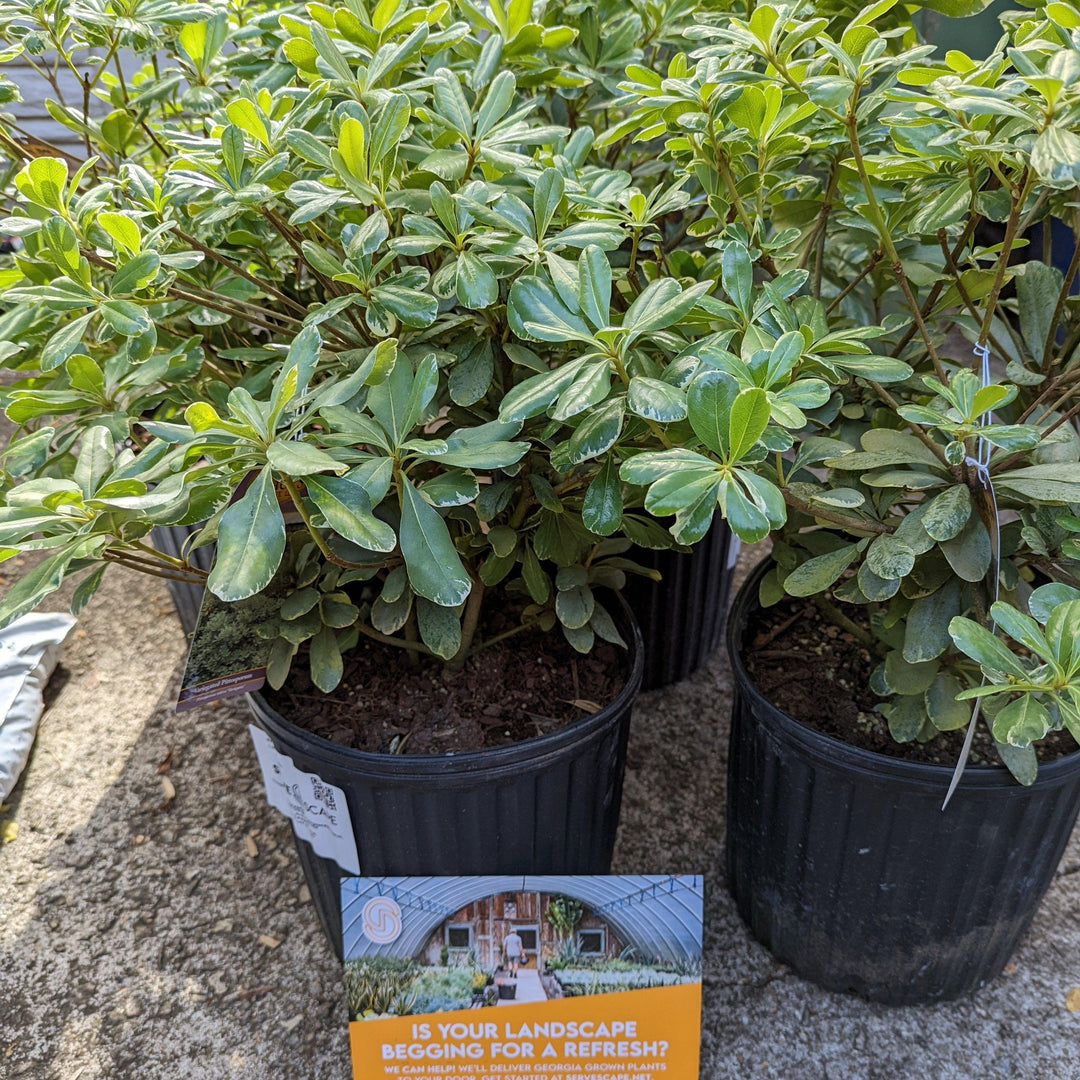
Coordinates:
[186,596]
[844,865]
[682,615]
[548,805]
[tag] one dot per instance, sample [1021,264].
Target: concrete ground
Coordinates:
[154,923]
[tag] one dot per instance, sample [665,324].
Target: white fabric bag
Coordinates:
[29,648]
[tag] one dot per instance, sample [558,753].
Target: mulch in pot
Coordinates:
[819,674]
[532,684]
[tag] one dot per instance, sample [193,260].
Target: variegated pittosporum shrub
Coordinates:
[388,279]
[915,196]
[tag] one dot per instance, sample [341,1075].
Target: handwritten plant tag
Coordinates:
[484,978]
[318,810]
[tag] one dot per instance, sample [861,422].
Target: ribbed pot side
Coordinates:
[844,865]
[549,805]
[682,615]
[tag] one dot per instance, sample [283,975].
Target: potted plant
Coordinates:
[907,375]
[178,67]
[376,276]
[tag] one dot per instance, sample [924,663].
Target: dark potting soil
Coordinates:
[531,684]
[819,674]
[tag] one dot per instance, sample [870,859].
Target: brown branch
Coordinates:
[834,517]
[855,281]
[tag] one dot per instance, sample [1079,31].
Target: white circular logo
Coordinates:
[382,920]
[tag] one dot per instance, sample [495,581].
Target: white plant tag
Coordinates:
[317,810]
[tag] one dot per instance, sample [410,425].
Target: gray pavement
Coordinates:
[149,936]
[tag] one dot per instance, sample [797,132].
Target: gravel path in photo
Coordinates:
[154,922]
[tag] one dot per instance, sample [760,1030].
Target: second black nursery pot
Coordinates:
[844,865]
[682,615]
[548,805]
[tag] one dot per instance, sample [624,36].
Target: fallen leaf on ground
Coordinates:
[252,847]
[268,941]
[165,764]
[8,831]
[1072,999]
[168,788]
[1010,969]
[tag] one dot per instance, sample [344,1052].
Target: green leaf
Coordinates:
[926,632]
[546,198]
[497,101]
[326,665]
[602,507]
[534,310]
[95,459]
[582,638]
[748,420]
[536,581]
[453,488]
[245,115]
[440,628]
[1055,483]
[983,647]
[1063,636]
[41,580]
[301,459]
[64,342]
[947,513]
[575,606]
[125,317]
[709,400]
[655,400]
[136,273]
[889,557]
[905,717]
[1055,157]
[1037,291]
[477,286]
[450,101]
[819,573]
[1021,761]
[347,508]
[746,520]
[663,303]
[596,433]
[1045,598]
[250,542]
[85,590]
[1020,627]
[390,125]
[945,712]
[533,395]
[594,285]
[738,276]
[904,678]
[121,228]
[1022,721]
[233,153]
[435,570]
[969,552]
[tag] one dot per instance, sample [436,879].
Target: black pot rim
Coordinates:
[492,760]
[830,748]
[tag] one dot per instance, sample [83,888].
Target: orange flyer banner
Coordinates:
[633,1035]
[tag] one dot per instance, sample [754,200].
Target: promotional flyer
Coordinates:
[480,978]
